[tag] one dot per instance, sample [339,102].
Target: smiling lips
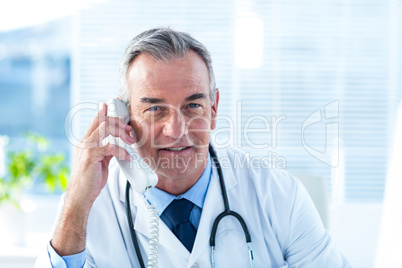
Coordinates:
[176,149]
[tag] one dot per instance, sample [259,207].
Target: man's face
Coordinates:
[171,113]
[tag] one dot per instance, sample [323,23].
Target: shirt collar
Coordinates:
[195,194]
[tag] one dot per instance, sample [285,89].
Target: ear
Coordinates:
[214,110]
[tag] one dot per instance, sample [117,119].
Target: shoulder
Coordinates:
[258,171]
[275,191]
[275,195]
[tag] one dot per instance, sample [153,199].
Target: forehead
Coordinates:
[148,77]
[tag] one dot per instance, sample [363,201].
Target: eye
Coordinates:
[154,108]
[193,105]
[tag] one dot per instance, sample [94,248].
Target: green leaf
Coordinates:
[29,165]
[36,139]
[21,165]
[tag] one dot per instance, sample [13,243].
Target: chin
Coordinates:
[178,168]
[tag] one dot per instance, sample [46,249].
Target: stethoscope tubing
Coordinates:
[227,211]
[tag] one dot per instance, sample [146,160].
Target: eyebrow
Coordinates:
[189,98]
[151,100]
[196,96]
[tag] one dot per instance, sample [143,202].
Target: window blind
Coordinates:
[318,81]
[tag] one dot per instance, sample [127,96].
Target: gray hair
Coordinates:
[163,44]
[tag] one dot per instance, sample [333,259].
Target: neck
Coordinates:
[179,185]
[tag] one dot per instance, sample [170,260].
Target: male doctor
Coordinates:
[168,84]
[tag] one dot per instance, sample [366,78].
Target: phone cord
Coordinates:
[153,234]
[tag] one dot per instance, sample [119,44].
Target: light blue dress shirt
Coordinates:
[76,260]
[162,199]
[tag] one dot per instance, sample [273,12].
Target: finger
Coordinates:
[114,150]
[100,117]
[105,129]
[118,122]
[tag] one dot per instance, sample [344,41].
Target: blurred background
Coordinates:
[319,81]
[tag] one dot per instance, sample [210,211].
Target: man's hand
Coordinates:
[88,177]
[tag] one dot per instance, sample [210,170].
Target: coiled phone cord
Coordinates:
[154,232]
[153,235]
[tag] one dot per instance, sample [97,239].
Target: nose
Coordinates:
[175,127]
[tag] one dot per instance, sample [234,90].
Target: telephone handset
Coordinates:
[141,178]
[137,171]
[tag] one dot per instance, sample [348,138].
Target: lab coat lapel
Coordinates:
[213,206]
[166,238]
[201,242]
[141,224]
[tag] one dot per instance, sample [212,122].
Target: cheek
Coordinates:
[142,131]
[199,126]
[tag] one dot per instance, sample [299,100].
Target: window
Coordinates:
[325,71]
[35,85]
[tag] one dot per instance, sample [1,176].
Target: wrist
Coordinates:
[77,203]
[70,235]
[76,210]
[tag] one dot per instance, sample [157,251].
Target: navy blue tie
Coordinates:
[177,218]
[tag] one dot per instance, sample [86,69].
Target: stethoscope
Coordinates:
[226,212]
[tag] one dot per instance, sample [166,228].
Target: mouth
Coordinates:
[176,149]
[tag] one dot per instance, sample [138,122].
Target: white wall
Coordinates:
[355,229]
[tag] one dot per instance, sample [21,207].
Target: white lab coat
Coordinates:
[285,228]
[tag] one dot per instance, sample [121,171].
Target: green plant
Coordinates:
[33,164]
